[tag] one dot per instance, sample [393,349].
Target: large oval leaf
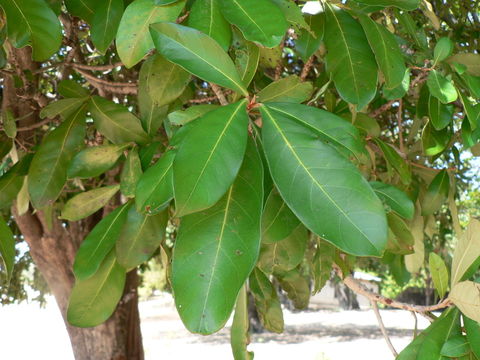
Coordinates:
[260,21]
[48,171]
[197,53]
[63,108]
[437,193]
[466,252]
[290,90]
[115,122]
[216,250]
[86,203]
[105,21]
[465,296]
[99,242]
[386,50]
[33,22]
[133,36]
[209,157]
[206,16]
[94,300]
[95,160]
[12,181]
[84,9]
[442,88]
[155,188]
[349,59]
[326,192]
[141,235]
[329,127]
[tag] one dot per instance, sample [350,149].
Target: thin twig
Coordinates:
[359,288]
[203,100]
[382,108]
[400,125]
[415,329]
[34,126]
[306,68]
[219,94]
[382,328]
[96,67]
[110,86]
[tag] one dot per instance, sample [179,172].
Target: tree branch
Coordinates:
[110,86]
[382,328]
[306,68]
[219,94]
[359,288]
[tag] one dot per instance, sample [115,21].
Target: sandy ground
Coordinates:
[27,332]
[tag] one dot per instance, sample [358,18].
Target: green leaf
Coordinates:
[457,346]
[63,108]
[387,52]
[293,13]
[23,198]
[94,300]
[394,159]
[466,252]
[140,236]
[394,198]
[260,21]
[94,161]
[155,187]
[473,83]
[115,122]
[322,264]
[205,16]
[324,190]
[9,125]
[84,9]
[443,49]
[472,329]
[105,21]
[33,22]
[266,301]
[133,36]
[209,158]
[400,240]
[196,53]
[439,273]
[472,112]
[6,145]
[284,255]
[297,288]
[428,344]
[308,42]
[7,248]
[470,60]
[216,250]
[437,193]
[414,262]
[367,125]
[399,91]
[288,90]
[72,89]
[441,87]
[163,82]
[11,182]
[182,117]
[349,59]
[329,127]
[440,115]
[239,335]
[278,221]
[88,202]
[99,242]
[401,4]
[435,142]
[465,295]
[246,61]
[48,171]
[131,172]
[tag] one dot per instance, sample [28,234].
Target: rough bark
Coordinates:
[53,246]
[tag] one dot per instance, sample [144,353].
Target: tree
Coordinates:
[271,145]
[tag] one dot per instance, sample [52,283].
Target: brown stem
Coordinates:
[382,328]
[359,288]
[307,67]
[219,94]
[109,86]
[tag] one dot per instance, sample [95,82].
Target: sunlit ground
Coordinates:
[28,332]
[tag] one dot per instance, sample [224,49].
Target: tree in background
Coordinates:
[249,145]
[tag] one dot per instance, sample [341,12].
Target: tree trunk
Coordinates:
[53,245]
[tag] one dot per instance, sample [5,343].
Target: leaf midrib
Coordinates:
[292,150]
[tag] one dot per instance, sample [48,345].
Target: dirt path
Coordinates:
[311,335]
